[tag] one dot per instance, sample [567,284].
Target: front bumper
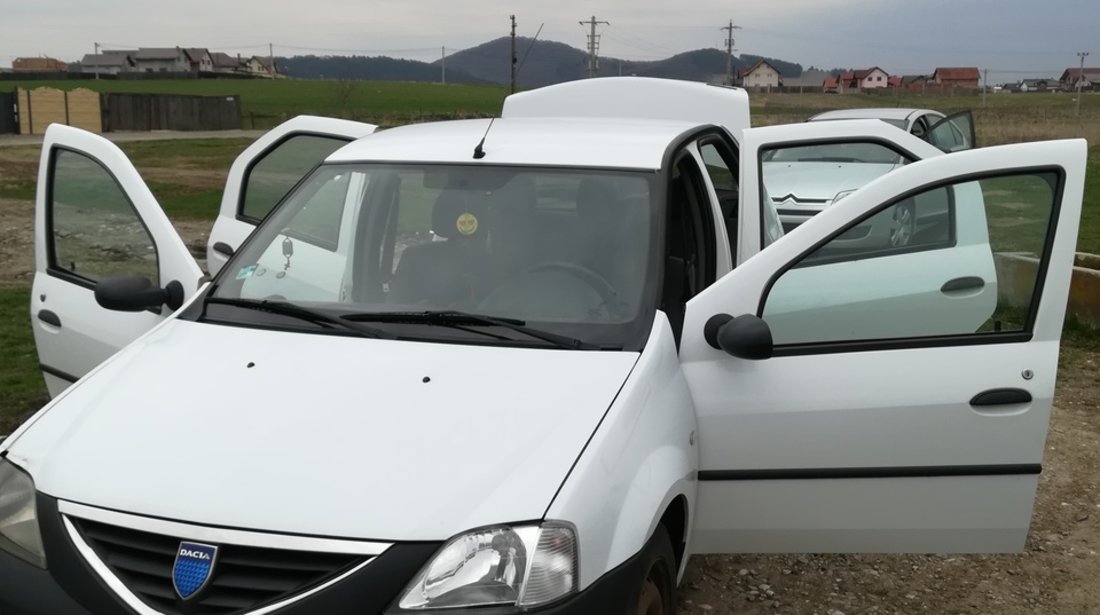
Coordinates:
[71,587]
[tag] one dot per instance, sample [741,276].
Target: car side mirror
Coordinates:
[745,337]
[134,294]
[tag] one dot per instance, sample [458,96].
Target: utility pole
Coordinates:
[97,62]
[443,64]
[593,45]
[1081,78]
[985,84]
[513,64]
[729,51]
[271,58]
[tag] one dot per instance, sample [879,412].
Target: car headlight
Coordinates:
[521,566]
[19,534]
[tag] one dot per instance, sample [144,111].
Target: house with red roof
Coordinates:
[867,79]
[1090,78]
[761,75]
[957,77]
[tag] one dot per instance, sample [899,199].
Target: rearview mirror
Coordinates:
[745,337]
[134,294]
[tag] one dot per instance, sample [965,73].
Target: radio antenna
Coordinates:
[479,149]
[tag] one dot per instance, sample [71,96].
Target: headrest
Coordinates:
[458,214]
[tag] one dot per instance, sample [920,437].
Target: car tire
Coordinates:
[903,226]
[655,591]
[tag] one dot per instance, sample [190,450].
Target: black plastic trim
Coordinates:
[1000,397]
[53,371]
[49,317]
[1015,469]
[971,282]
[223,248]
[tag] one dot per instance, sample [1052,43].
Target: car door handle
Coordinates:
[1000,397]
[971,282]
[224,249]
[49,318]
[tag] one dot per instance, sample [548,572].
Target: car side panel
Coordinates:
[641,458]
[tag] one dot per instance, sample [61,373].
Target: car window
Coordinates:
[272,176]
[95,233]
[971,266]
[570,249]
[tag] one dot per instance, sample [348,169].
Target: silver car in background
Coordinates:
[804,180]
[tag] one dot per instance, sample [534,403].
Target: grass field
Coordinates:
[271,101]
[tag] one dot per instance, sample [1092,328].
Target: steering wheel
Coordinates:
[609,297]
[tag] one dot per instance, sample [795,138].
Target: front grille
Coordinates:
[244,578]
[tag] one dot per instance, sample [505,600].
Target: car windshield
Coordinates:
[450,252]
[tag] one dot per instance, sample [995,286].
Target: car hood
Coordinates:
[322,435]
[816,184]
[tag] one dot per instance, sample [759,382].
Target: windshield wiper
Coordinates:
[285,308]
[453,318]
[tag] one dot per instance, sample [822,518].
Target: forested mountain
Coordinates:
[540,63]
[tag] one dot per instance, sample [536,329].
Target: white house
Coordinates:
[761,75]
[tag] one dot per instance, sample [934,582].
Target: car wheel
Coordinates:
[656,590]
[903,226]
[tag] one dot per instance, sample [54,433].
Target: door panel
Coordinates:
[858,434]
[264,172]
[94,219]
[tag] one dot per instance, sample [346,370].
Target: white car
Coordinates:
[524,365]
[805,180]
[951,133]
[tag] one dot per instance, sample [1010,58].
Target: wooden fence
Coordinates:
[40,107]
[171,112]
[9,123]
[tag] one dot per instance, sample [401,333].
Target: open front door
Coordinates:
[904,398]
[95,219]
[954,133]
[266,171]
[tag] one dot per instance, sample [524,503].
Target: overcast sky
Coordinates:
[1011,38]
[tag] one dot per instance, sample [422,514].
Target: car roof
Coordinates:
[569,142]
[879,113]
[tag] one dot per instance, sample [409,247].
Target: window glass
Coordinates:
[280,169]
[970,265]
[318,222]
[95,231]
[567,249]
[802,180]
[719,170]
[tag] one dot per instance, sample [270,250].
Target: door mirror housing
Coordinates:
[745,337]
[135,294]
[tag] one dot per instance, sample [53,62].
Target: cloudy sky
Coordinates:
[1011,38]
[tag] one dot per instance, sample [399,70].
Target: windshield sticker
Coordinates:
[246,272]
[467,224]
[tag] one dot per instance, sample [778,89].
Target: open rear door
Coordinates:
[878,398]
[266,171]
[95,219]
